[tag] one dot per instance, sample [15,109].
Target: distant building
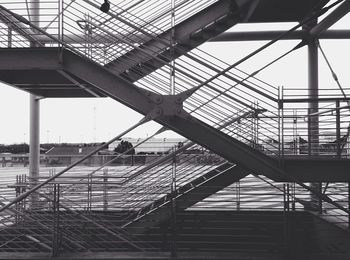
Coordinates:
[5,158]
[154,145]
[65,155]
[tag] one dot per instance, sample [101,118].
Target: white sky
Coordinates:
[74,120]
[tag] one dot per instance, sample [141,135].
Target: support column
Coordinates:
[313,121]
[34,142]
[34,108]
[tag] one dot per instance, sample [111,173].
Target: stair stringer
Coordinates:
[186,196]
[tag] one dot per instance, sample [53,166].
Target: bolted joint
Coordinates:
[169,105]
[154,97]
[155,112]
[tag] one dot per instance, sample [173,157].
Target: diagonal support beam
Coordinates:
[189,34]
[183,123]
[186,196]
[331,19]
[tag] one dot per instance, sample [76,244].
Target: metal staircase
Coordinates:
[190,33]
[185,197]
[127,55]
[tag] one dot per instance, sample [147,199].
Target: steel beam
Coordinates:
[188,35]
[108,83]
[223,37]
[190,127]
[201,190]
[193,129]
[30,59]
[17,26]
[331,19]
[317,170]
[270,35]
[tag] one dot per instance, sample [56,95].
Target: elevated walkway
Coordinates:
[145,102]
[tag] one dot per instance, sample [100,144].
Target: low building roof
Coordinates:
[70,150]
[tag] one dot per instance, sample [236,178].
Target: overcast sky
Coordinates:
[92,119]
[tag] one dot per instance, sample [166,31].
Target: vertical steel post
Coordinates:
[293,196]
[288,197]
[9,36]
[89,193]
[56,219]
[238,194]
[105,189]
[34,108]
[172,50]
[320,205]
[173,204]
[282,123]
[279,123]
[348,204]
[313,121]
[337,128]
[285,223]
[34,145]
[173,92]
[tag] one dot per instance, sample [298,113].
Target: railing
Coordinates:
[324,132]
[220,93]
[105,37]
[60,224]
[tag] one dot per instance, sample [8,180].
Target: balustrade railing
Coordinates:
[324,132]
[106,37]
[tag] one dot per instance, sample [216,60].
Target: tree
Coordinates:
[124,146]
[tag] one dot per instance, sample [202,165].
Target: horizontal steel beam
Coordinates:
[29,59]
[226,36]
[184,124]
[324,169]
[270,35]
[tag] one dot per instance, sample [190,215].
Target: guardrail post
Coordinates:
[293,196]
[89,193]
[105,189]
[286,218]
[320,200]
[9,36]
[337,128]
[173,206]
[238,195]
[56,220]
[348,204]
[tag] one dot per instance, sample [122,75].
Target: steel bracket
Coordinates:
[154,97]
[169,105]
